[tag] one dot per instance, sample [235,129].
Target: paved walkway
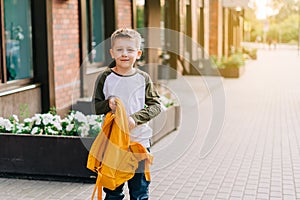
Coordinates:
[256,156]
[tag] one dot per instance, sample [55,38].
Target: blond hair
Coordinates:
[126,33]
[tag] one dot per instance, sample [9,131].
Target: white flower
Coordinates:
[8,126]
[57,118]
[1,122]
[51,131]
[57,125]
[66,120]
[35,130]
[37,119]
[70,127]
[80,117]
[92,117]
[91,120]
[71,115]
[27,129]
[47,118]
[28,120]
[96,127]
[95,119]
[15,117]
[20,127]
[84,131]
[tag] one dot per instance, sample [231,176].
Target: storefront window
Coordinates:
[18,39]
[140,22]
[95,22]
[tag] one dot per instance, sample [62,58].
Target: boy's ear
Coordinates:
[111,53]
[139,54]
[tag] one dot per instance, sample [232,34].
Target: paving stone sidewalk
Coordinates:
[256,156]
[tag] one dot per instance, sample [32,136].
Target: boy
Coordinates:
[135,88]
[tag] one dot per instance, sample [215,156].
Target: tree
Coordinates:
[285,8]
[282,24]
[256,27]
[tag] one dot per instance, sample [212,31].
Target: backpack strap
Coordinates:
[98,186]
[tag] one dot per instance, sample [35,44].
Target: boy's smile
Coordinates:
[125,51]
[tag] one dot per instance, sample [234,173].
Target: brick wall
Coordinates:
[66,53]
[124,14]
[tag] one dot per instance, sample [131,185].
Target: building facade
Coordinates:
[52,50]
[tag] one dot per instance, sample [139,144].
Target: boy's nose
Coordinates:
[124,53]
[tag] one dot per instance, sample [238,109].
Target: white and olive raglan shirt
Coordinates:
[138,95]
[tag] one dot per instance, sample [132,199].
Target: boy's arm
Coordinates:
[100,104]
[152,108]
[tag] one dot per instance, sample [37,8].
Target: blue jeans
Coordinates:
[138,187]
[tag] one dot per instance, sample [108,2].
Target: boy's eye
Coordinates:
[130,50]
[119,49]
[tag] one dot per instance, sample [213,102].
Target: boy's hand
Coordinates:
[112,104]
[131,123]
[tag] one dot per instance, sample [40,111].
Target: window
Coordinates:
[18,41]
[97,24]
[95,27]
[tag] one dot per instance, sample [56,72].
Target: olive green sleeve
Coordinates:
[99,103]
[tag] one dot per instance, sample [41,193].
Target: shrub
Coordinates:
[234,60]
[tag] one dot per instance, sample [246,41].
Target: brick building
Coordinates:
[50,54]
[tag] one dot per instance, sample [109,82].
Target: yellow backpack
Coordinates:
[112,156]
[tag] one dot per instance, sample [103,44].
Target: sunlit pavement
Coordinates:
[255,156]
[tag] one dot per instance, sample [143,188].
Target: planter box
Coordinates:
[166,122]
[232,72]
[50,157]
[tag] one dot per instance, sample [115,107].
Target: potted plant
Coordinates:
[232,66]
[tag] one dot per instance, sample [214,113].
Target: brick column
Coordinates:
[124,14]
[215,27]
[66,53]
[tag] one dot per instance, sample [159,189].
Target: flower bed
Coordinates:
[74,124]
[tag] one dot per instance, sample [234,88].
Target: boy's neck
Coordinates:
[123,71]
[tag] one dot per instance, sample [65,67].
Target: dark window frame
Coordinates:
[42,53]
[4,83]
[86,32]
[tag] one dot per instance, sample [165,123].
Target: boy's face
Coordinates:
[125,51]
